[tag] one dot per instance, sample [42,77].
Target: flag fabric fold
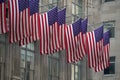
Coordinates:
[82,44]
[61,26]
[19,19]
[104,58]
[34,23]
[3,23]
[49,41]
[95,46]
[72,41]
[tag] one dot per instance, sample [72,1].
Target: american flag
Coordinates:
[95,46]
[104,58]
[49,41]
[82,45]
[34,23]
[3,24]
[19,19]
[61,26]
[72,41]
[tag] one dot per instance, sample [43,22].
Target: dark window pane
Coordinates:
[112,59]
[106,71]
[111,68]
[112,31]
[109,0]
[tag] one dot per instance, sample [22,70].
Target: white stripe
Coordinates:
[27,21]
[60,35]
[94,49]
[53,39]
[45,44]
[17,9]
[68,45]
[63,33]
[34,27]
[37,29]
[48,33]
[21,26]
[31,25]
[70,42]
[24,23]
[56,30]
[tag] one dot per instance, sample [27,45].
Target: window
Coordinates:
[111,68]
[76,9]
[27,62]
[75,71]
[53,3]
[110,25]
[54,66]
[109,0]
[47,4]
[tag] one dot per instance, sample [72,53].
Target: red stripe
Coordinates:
[46,33]
[4,19]
[89,49]
[37,26]
[71,43]
[69,56]
[94,59]
[41,35]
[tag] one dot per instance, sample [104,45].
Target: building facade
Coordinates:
[106,12]
[26,63]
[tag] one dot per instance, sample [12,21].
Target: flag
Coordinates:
[61,26]
[95,46]
[49,41]
[34,23]
[3,24]
[19,19]
[72,41]
[82,45]
[104,58]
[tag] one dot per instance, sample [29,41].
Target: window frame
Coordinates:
[108,25]
[76,13]
[25,69]
[79,71]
